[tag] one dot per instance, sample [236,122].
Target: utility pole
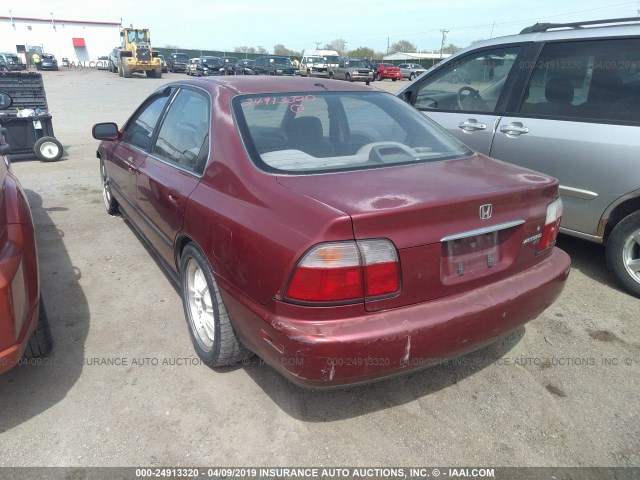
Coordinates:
[444,37]
[388,47]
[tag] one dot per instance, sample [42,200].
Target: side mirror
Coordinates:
[5,149]
[105,131]
[5,101]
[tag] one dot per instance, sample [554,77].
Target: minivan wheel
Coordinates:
[212,334]
[623,253]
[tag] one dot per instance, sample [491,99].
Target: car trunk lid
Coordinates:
[457,224]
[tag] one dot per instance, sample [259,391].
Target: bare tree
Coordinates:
[339,45]
[362,52]
[402,46]
[451,48]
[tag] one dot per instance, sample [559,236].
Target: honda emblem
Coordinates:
[485,211]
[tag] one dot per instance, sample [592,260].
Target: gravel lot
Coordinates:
[562,392]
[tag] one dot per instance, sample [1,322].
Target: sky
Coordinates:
[299,25]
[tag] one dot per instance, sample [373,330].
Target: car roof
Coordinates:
[271,84]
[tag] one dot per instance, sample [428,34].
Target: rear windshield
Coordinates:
[318,132]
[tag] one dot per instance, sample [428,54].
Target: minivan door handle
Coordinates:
[514,129]
[471,125]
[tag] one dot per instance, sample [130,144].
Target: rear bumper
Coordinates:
[359,77]
[375,345]
[10,356]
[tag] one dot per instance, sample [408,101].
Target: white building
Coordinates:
[76,40]
[408,56]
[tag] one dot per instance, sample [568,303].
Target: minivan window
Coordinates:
[473,83]
[597,79]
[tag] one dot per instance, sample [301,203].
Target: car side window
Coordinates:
[472,84]
[139,129]
[598,80]
[184,134]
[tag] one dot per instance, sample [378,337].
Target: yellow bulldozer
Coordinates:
[136,54]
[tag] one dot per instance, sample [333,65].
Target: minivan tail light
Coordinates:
[551,226]
[346,272]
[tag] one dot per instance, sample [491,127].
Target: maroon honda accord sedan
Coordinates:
[330,228]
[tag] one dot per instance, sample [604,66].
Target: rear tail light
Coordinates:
[551,226]
[346,272]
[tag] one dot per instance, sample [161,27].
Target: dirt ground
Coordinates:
[561,392]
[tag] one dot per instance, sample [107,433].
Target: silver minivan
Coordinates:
[563,99]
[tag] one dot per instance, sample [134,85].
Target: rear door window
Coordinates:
[184,134]
[596,80]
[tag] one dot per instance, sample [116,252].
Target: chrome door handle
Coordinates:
[471,125]
[514,129]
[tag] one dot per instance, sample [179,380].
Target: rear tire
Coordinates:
[623,253]
[126,71]
[214,339]
[110,203]
[40,342]
[48,149]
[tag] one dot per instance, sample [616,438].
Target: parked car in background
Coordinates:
[103,63]
[48,62]
[352,70]
[295,225]
[177,62]
[114,60]
[24,330]
[228,64]
[192,66]
[3,64]
[411,70]
[205,66]
[274,65]
[563,99]
[387,70]
[12,61]
[244,67]
[165,69]
[318,63]
[461,75]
